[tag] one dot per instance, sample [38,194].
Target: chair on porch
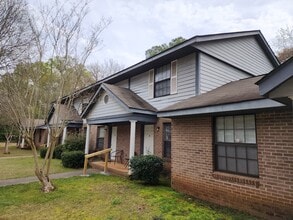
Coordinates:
[117,155]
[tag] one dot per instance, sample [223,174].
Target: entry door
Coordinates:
[114,141]
[148,142]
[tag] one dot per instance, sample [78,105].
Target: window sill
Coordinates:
[234,178]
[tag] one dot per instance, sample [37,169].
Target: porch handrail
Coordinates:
[87,156]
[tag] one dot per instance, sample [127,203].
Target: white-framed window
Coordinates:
[235,145]
[163,80]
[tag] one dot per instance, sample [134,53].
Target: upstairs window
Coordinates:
[162,81]
[235,145]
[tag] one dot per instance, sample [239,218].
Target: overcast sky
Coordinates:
[140,24]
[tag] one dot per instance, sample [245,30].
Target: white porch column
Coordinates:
[132,138]
[64,134]
[87,140]
[49,137]
[22,142]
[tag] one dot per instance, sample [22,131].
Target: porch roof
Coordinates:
[278,84]
[123,118]
[239,95]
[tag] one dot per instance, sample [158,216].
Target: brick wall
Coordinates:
[269,195]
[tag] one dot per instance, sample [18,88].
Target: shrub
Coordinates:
[58,151]
[72,159]
[43,152]
[146,168]
[74,144]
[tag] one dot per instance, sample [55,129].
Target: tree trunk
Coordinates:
[6,150]
[47,185]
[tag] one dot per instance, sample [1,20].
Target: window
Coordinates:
[167,140]
[162,81]
[235,145]
[100,138]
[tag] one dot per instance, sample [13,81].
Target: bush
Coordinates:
[58,151]
[72,159]
[74,144]
[146,168]
[43,152]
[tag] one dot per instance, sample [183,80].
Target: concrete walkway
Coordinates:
[30,179]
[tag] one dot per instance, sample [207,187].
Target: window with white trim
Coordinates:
[162,80]
[235,145]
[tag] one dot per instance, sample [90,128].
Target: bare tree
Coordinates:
[102,70]
[284,43]
[8,131]
[15,35]
[58,32]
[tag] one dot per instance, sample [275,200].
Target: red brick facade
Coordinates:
[269,196]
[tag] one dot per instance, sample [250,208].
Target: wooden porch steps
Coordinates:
[116,169]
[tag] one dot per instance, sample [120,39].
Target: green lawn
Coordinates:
[14,151]
[105,197]
[22,167]
[20,163]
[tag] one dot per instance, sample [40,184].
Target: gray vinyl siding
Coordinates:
[244,53]
[123,83]
[185,84]
[214,73]
[100,109]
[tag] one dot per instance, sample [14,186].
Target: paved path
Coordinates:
[30,179]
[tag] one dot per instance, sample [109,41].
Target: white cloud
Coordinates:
[139,24]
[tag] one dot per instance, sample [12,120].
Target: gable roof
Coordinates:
[276,77]
[176,52]
[129,98]
[65,114]
[240,91]
[124,97]
[186,48]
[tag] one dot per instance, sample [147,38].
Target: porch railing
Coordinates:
[87,156]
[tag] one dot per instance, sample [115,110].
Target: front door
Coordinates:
[148,143]
[114,141]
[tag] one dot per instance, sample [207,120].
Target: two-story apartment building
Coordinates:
[206,106]
[126,104]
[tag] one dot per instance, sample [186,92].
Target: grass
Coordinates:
[20,163]
[14,151]
[105,197]
[22,167]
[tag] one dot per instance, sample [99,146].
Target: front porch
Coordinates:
[112,168]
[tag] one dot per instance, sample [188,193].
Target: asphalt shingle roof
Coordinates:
[129,98]
[233,92]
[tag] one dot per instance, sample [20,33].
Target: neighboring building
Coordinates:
[66,116]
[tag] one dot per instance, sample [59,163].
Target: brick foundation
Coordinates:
[269,196]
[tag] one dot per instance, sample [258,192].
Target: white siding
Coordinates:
[101,109]
[244,53]
[123,83]
[185,83]
[214,73]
